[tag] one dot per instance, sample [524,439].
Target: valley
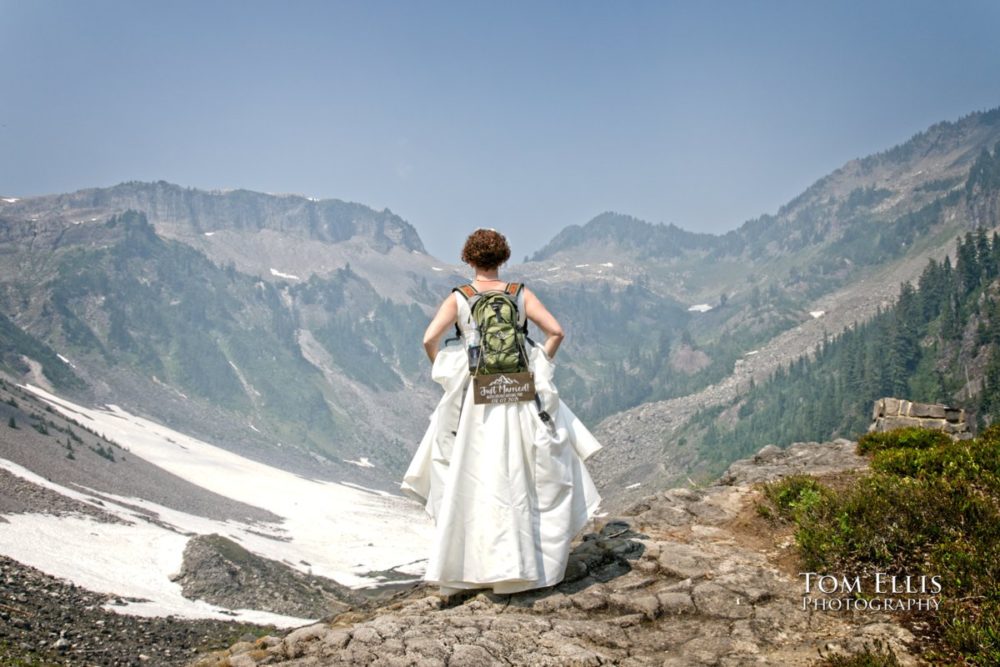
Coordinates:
[181,363]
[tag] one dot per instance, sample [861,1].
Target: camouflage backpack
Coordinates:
[496,324]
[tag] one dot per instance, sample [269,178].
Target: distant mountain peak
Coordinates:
[625,231]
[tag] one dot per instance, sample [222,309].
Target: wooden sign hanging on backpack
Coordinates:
[503,388]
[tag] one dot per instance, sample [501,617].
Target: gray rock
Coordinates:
[683,561]
[470,655]
[218,570]
[767,454]
[676,603]
[366,635]
[714,600]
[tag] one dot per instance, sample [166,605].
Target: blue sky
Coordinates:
[524,116]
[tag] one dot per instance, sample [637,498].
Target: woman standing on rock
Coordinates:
[505,483]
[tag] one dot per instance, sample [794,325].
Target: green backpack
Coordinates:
[502,330]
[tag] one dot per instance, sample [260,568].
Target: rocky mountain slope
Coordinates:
[688,576]
[832,254]
[273,237]
[110,311]
[655,425]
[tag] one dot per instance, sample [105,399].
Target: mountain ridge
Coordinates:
[347,298]
[204,211]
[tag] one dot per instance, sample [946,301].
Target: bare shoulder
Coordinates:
[532,303]
[448,304]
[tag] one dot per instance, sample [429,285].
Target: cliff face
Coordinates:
[683,577]
[180,211]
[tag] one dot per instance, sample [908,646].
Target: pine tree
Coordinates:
[967,264]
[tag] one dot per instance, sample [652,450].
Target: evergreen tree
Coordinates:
[967,265]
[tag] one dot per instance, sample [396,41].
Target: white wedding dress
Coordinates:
[507,493]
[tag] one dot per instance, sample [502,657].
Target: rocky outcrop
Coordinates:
[890,413]
[689,576]
[218,570]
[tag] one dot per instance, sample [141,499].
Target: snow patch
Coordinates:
[436,268]
[362,462]
[344,530]
[11,200]
[209,233]
[608,265]
[65,360]
[633,486]
[817,313]
[127,560]
[700,308]
[254,428]
[279,274]
[582,266]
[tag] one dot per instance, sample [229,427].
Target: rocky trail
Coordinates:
[689,576]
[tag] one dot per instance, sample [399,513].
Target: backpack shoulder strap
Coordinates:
[467,290]
[463,303]
[516,291]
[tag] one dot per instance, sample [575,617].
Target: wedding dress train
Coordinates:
[507,492]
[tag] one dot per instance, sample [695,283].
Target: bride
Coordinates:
[506,487]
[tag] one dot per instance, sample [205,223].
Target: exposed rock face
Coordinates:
[890,413]
[180,210]
[218,570]
[684,577]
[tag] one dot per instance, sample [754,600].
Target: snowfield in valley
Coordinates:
[343,531]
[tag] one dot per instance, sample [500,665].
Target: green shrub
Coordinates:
[929,506]
[794,494]
[900,438]
[971,460]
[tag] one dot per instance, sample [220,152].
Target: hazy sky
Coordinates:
[526,117]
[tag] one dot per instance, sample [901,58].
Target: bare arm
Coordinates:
[444,318]
[545,321]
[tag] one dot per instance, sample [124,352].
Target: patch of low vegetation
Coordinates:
[104,452]
[877,655]
[929,506]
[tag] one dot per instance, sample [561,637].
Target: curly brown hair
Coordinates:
[485,249]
